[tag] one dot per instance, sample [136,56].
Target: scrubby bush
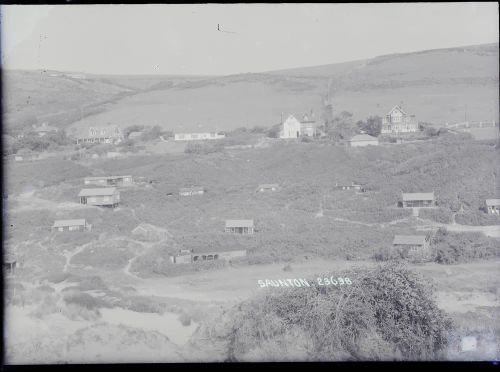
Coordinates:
[387,313]
[441,215]
[450,248]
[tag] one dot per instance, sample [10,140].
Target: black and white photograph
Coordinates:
[287,182]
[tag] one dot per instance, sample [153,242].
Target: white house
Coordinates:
[398,121]
[361,140]
[291,128]
[493,206]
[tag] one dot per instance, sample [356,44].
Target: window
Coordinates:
[61,229]
[73,228]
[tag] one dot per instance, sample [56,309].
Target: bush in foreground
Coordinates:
[387,313]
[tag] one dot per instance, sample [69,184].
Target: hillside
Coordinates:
[437,86]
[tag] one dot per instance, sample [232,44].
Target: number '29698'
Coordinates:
[333,281]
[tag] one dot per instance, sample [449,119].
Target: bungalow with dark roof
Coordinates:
[493,206]
[109,180]
[417,246]
[418,200]
[71,225]
[105,197]
[239,227]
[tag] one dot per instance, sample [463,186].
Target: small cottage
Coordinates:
[206,254]
[361,140]
[150,233]
[418,200]
[418,246]
[352,186]
[239,227]
[9,264]
[268,187]
[188,191]
[71,225]
[109,181]
[493,206]
[105,197]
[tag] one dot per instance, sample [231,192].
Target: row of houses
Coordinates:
[395,122]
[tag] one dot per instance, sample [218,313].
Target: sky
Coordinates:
[184,39]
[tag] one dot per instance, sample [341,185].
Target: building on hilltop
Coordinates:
[104,197]
[398,121]
[493,206]
[189,191]
[44,129]
[352,186]
[308,126]
[267,187]
[361,140]
[98,134]
[416,246]
[418,200]
[291,128]
[243,227]
[109,180]
[71,225]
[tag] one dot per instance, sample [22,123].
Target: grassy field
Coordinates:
[435,85]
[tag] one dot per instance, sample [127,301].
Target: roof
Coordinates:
[397,107]
[61,223]
[409,239]
[268,185]
[492,202]
[418,196]
[103,191]
[197,188]
[363,137]
[239,223]
[105,177]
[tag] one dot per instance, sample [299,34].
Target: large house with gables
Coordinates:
[98,134]
[397,121]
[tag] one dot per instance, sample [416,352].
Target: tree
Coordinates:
[372,125]
[132,128]
[342,126]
